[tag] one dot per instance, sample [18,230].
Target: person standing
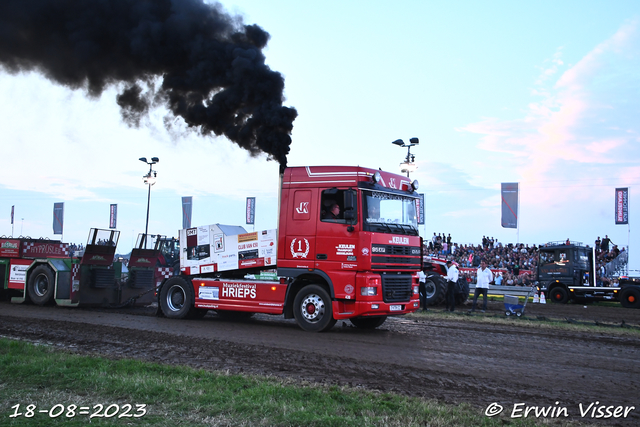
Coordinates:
[484,276]
[422,289]
[452,281]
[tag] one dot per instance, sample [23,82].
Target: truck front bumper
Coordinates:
[349,309]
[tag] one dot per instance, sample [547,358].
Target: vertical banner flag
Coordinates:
[251,210]
[12,208]
[58,217]
[622,205]
[186,212]
[113,215]
[509,195]
[420,209]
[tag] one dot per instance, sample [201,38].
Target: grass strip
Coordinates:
[54,379]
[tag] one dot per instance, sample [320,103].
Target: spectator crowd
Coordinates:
[517,263]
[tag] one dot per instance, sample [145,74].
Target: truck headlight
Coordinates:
[416,289]
[368,291]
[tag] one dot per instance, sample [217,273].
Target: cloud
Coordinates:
[582,121]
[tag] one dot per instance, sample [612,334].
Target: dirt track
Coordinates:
[451,359]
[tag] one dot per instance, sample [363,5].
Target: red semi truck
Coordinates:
[359,264]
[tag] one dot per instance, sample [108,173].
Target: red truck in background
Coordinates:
[359,264]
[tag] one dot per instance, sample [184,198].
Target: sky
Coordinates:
[541,93]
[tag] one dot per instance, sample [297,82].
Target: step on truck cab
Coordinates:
[347,247]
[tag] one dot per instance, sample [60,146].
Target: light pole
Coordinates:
[149,179]
[409,164]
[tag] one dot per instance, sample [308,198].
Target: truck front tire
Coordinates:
[559,295]
[313,310]
[40,286]
[630,297]
[177,298]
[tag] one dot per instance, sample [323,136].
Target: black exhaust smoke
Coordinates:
[192,57]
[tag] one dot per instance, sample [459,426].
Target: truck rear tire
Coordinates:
[630,297]
[313,310]
[177,298]
[559,295]
[435,289]
[40,286]
[368,322]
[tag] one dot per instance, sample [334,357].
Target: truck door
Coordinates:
[337,240]
[300,240]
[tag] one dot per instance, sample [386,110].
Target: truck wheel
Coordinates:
[177,298]
[435,288]
[559,295]
[40,286]
[463,295]
[312,309]
[630,297]
[368,322]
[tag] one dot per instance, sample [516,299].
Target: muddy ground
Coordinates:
[447,358]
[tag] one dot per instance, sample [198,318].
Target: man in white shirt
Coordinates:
[422,281]
[484,276]
[452,280]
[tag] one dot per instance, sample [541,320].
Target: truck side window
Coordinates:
[331,208]
[546,257]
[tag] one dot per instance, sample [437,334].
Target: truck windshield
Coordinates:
[389,213]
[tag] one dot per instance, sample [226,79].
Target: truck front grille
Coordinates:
[396,288]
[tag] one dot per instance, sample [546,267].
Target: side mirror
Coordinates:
[350,203]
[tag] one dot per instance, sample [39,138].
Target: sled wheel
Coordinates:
[519,314]
[508,313]
[40,287]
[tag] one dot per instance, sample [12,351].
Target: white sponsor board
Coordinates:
[227,248]
[18,273]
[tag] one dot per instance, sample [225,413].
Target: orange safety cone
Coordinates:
[542,298]
[536,298]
